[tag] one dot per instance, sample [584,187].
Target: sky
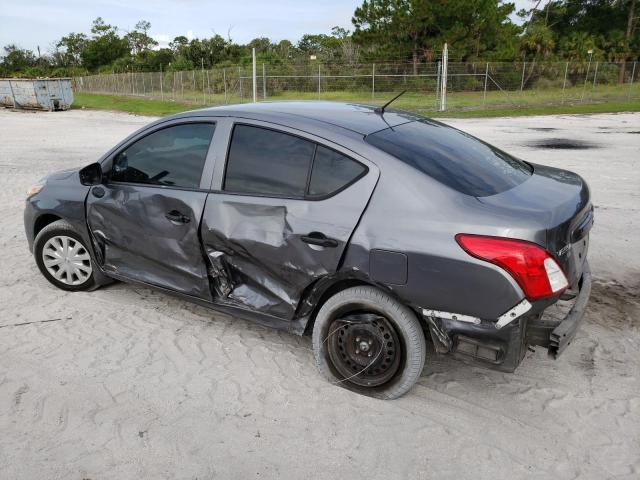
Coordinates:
[33,23]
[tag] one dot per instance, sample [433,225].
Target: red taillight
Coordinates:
[530,265]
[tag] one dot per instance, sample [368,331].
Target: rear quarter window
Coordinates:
[332,172]
[452,157]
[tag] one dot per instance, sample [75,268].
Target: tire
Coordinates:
[61,234]
[363,309]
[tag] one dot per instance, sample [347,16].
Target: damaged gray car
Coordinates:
[374,231]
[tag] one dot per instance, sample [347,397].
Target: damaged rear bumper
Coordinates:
[556,334]
[504,348]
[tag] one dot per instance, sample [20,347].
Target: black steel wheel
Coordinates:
[367,341]
[364,348]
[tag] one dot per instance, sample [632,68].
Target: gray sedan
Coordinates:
[374,231]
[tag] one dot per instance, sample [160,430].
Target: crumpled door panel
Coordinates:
[137,240]
[257,258]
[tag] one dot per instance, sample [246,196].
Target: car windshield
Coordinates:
[452,157]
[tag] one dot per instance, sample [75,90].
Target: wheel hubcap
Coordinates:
[66,260]
[364,349]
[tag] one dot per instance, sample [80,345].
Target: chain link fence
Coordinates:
[469,86]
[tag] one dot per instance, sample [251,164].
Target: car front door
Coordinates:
[145,218]
[280,214]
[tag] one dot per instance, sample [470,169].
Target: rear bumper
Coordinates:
[557,334]
[503,349]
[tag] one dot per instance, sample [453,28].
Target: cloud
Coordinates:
[163,39]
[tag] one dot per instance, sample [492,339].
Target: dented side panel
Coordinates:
[135,239]
[257,259]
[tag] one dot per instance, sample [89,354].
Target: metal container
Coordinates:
[40,94]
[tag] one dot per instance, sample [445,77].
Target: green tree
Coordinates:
[419,28]
[630,33]
[72,45]
[17,59]
[321,45]
[350,51]
[104,47]
[608,27]
[537,42]
[139,39]
[575,45]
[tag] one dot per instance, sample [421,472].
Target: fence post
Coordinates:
[524,65]
[564,83]
[586,76]
[161,91]
[443,82]
[224,82]
[255,85]
[208,85]
[204,93]
[264,83]
[193,85]
[486,79]
[240,80]
[435,106]
[633,72]
[373,81]
[318,81]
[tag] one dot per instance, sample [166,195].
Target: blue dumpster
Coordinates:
[36,93]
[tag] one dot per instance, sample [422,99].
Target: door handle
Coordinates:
[320,239]
[176,217]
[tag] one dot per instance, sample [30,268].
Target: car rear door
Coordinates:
[281,212]
[145,218]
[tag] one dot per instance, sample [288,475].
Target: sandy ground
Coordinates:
[129,383]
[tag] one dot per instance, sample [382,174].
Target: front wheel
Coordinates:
[63,258]
[366,341]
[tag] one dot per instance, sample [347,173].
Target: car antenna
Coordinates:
[380,110]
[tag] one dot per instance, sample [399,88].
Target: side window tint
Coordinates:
[332,171]
[267,162]
[172,156]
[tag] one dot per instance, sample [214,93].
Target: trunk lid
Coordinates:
[558,202]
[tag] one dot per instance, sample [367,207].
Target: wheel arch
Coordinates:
[46,218]
[319,292]
[43,220]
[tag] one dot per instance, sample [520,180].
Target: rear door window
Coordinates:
[173,156]
[267,162]
[452,157]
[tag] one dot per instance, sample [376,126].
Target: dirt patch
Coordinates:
[562,144]
[617,304]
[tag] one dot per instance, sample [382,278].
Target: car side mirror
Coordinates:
[91,175]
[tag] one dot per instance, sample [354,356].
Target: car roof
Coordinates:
[361,119]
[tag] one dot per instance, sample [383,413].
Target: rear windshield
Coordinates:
[452,157]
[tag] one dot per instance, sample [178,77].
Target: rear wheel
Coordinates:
[63,258]
[366,341]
